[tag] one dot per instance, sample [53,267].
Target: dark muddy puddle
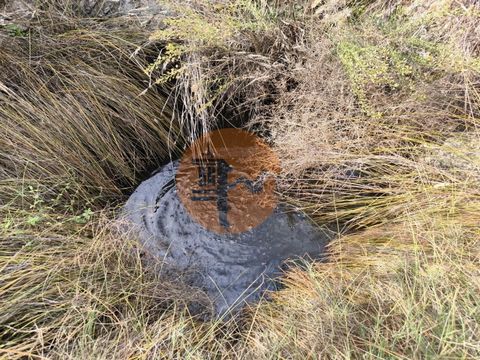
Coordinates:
[230,268]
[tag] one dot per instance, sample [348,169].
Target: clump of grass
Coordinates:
[223,57]
[405,291]
[355,148]
[74,113]
[86,288]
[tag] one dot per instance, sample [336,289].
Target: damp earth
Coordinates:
[231,268]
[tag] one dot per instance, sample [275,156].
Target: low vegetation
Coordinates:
[374,110]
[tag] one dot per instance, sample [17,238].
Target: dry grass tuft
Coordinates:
[407,291]
[365,133]
[68,295]
[75,115]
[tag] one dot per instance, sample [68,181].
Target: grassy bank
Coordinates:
[373,108]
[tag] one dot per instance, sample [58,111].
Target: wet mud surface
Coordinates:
[230,268]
